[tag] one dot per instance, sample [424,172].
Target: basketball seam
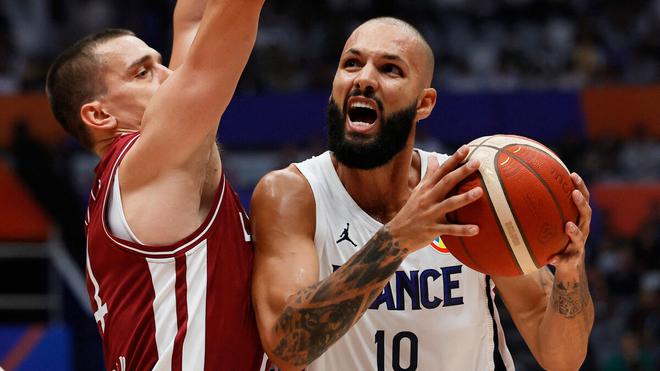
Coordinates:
[476,146]
[554,199]
[513,212]
[499,224]
[544,183]
[536,174]
[549,152]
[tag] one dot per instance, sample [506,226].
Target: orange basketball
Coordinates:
[522,213]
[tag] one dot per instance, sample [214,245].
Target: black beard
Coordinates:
[361,152]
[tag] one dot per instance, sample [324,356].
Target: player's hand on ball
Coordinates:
[572,257]
[423,217]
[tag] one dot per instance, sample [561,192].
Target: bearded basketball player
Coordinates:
[348,271]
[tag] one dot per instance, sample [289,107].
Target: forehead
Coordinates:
[122,51]
[382,38]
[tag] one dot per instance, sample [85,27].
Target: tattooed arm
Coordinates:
[554,314]
[319,315]
[300,317]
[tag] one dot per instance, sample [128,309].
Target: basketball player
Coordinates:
[169,257]
[394,302]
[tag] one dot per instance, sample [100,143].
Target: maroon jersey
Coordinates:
[185,306]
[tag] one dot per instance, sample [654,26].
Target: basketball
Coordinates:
[523,211]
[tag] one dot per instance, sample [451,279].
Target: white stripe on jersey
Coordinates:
[196,278]
[101,308]
[264,362]
[163,278]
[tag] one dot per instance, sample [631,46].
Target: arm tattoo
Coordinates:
[318,316]
[570,298]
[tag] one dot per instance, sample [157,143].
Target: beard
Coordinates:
[359,151]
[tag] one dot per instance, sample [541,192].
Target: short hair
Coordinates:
[70,82]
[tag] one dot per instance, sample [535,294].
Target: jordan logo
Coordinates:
[344,236]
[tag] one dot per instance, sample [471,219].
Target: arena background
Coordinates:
[581,76]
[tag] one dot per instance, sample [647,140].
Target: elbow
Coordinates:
[283,365]
[281,352]
[563,366]
[566,362]
[284,362]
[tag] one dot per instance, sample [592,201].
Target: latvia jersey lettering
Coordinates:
[186,306]
[434,314]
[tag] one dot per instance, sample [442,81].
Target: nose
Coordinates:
[366,78]
[163,72]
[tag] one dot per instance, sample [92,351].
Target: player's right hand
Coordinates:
[423,217]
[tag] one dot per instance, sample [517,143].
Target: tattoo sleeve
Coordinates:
[319,315]
[570,298]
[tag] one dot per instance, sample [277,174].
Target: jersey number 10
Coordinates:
[396,350]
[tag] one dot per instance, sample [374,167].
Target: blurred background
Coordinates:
[581,76]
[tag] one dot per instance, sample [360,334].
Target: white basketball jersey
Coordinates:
[434,314]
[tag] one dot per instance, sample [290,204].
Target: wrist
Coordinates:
[572,272]
[397,235]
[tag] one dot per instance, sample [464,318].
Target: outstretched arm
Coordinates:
[555,314]
[183,116]
[186,20]
[300,318]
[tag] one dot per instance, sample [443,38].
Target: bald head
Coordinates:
[422,49]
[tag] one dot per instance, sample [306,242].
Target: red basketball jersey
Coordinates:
[185,306]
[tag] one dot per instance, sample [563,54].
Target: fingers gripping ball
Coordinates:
[521,217]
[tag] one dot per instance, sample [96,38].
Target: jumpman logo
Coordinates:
[344,236]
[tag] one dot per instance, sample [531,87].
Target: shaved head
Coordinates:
[382,87]
[423,49]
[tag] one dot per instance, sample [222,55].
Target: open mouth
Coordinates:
[362,114]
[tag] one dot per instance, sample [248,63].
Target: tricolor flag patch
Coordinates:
[438,245]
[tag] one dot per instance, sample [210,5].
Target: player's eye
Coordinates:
[392,69]
[143,73]
[351,63]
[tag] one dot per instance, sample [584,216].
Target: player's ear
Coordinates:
[96,117]
[426,103]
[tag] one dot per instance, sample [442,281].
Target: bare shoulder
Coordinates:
[286,186]
[283,207]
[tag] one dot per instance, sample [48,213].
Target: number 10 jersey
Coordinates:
[434,314]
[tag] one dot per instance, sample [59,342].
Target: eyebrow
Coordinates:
[391,57]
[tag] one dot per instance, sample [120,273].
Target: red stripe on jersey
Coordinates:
[181,312]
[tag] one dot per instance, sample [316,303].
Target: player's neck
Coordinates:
[381,192]
[101,145]
[103,141]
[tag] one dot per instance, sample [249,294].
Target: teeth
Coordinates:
[360,123]
[361,105]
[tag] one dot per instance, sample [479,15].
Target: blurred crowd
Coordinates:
[480,45]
